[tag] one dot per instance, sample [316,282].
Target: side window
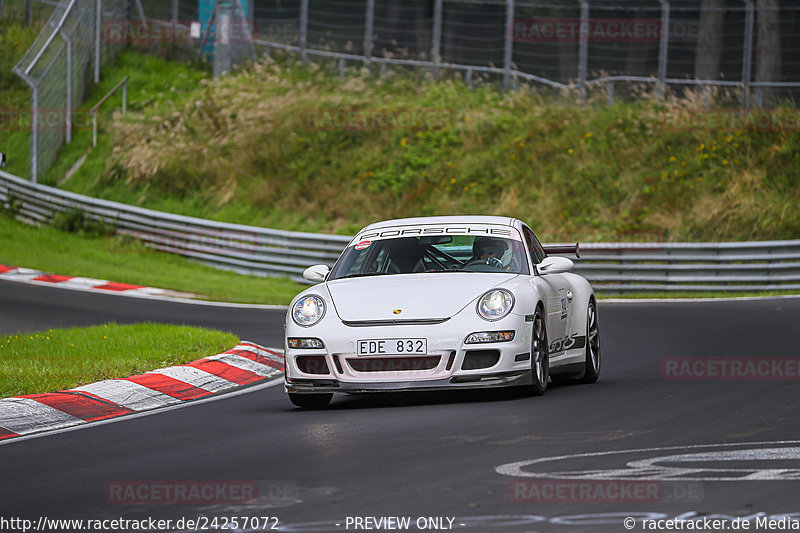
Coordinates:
[534,246]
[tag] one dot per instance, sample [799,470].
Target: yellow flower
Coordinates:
[452,181]
[569,151]
[671,159]
[724,161]
[404,142]
[588,135]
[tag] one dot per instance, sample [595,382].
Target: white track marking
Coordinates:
[648,469]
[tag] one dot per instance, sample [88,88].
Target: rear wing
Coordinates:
[563,249]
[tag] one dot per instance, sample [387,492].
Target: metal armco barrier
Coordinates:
[612,267]
[243,249]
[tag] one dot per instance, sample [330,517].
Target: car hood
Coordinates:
[417,296]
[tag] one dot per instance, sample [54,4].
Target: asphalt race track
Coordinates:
[648,441]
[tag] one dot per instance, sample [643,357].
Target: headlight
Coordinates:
[297,342]
[308,310]
[495,304]
[490,336]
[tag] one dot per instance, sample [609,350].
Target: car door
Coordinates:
[556,292]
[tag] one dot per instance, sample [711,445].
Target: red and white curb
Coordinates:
[245,364]
[28,275]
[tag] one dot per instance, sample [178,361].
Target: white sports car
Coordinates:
[441,303]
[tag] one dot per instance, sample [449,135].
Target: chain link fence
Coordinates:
[736,51]
[66,55]
[744,47]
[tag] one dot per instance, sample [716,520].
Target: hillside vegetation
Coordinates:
[286,146]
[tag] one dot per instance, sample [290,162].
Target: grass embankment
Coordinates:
[289,147]
[115,259]
[61,359]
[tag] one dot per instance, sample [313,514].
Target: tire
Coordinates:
[540,357]
[592,370]
[310,401]
[591,366]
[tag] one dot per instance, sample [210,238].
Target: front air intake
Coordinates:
[312,364]
[476,359]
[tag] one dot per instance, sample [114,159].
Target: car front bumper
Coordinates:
[450,363]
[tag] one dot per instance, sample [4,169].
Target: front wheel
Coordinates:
[310,401]
[540,360]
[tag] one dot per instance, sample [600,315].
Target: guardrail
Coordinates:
[612,267]
[243,249]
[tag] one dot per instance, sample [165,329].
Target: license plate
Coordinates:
[393,346]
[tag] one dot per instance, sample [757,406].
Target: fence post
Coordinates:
[663,48]
[34,132]
[222,39]
[583,50]
[303,30]
[68,107]
[369,28]
[610,93]
[436,51]
[98,17]
[508,51]
[748,53]
[28,12]
[174,20]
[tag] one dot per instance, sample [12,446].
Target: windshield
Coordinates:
[390,252]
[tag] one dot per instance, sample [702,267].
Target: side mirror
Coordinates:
[554,265]
[316,273]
